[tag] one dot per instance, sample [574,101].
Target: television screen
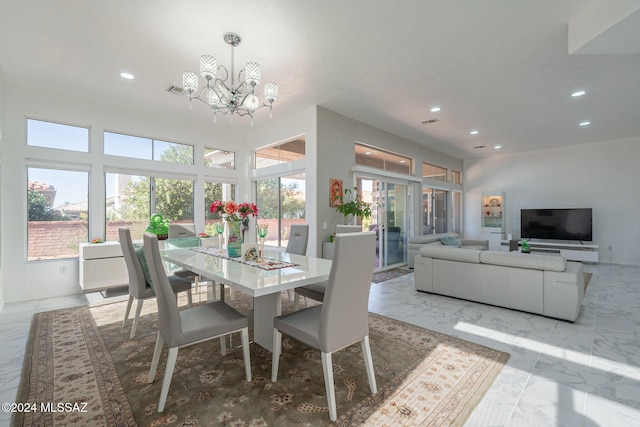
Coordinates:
[558,224]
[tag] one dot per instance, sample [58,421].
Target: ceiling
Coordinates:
[501,67]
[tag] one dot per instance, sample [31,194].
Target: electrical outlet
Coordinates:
[63,269]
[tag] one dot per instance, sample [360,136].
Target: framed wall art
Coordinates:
[335,192]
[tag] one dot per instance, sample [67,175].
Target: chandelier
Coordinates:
[222,95]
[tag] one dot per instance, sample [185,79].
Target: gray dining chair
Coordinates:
[343,317]
[185,232]
[316,291]
[297,245]
[298,239]
[348,228]
[180,328]
[140,283]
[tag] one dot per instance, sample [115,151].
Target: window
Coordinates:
[434,172]
[215,191]
[131,199]
[456,177]
[215,158]
[456,217]
[281,202]
[282,153]
[117,144]
[58,213]
[55,135]
[380,159]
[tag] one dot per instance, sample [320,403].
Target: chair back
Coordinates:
[345,308]
[137,281]
[348,229]
[181,230]
[169,323]
[298,239]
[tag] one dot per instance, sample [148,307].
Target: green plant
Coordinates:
[354,207]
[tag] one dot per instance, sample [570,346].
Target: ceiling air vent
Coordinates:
[479,147]
[428,122]
[176,90]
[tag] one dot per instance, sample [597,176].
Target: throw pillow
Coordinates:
[143,264]
[451,241]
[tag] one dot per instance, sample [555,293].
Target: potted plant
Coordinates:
[354,206]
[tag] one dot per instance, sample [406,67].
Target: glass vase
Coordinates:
[234,239]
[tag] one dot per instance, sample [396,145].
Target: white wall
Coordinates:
[23,280]
[337,136]
[603,176]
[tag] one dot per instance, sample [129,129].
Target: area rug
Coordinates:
[82,355]
[383,276]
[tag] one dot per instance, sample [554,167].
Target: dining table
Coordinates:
[263,280]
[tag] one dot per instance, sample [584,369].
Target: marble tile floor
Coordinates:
[585,373]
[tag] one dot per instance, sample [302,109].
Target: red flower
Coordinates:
[216,207]
[230,210]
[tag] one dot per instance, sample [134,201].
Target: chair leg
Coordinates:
[327,369]
[127,311]
[168,374]
[275,358]
[223,345]
[296,301]
[156,357]
[135,318]
[189,298]
[245,353]
[368,362]
[290,294]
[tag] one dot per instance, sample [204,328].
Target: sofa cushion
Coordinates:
[427,238]
[451,241]
[520,260]
[451,253]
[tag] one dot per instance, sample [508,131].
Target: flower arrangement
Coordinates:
[232,211]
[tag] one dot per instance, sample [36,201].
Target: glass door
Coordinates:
[389,219]
[434,211]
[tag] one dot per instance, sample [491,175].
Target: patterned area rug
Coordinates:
[383,276]
[81,355]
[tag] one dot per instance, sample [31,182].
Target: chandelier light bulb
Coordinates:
[190,81]
[214,99]
[252,73]
[271,92]
[208,66]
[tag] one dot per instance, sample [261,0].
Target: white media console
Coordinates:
[568,251]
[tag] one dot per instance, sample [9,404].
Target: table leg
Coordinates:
[265,308]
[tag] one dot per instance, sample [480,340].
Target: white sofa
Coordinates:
[541,284]
[415,243]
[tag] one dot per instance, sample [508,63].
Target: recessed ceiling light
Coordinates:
[367,153]
[497,147]
[578,93]
[474,132]
[127,76]
[585,123]
[403,161]
[435,109]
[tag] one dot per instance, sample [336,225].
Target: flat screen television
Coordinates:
[557,224]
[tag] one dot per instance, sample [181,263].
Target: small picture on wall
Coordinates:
[335,192]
